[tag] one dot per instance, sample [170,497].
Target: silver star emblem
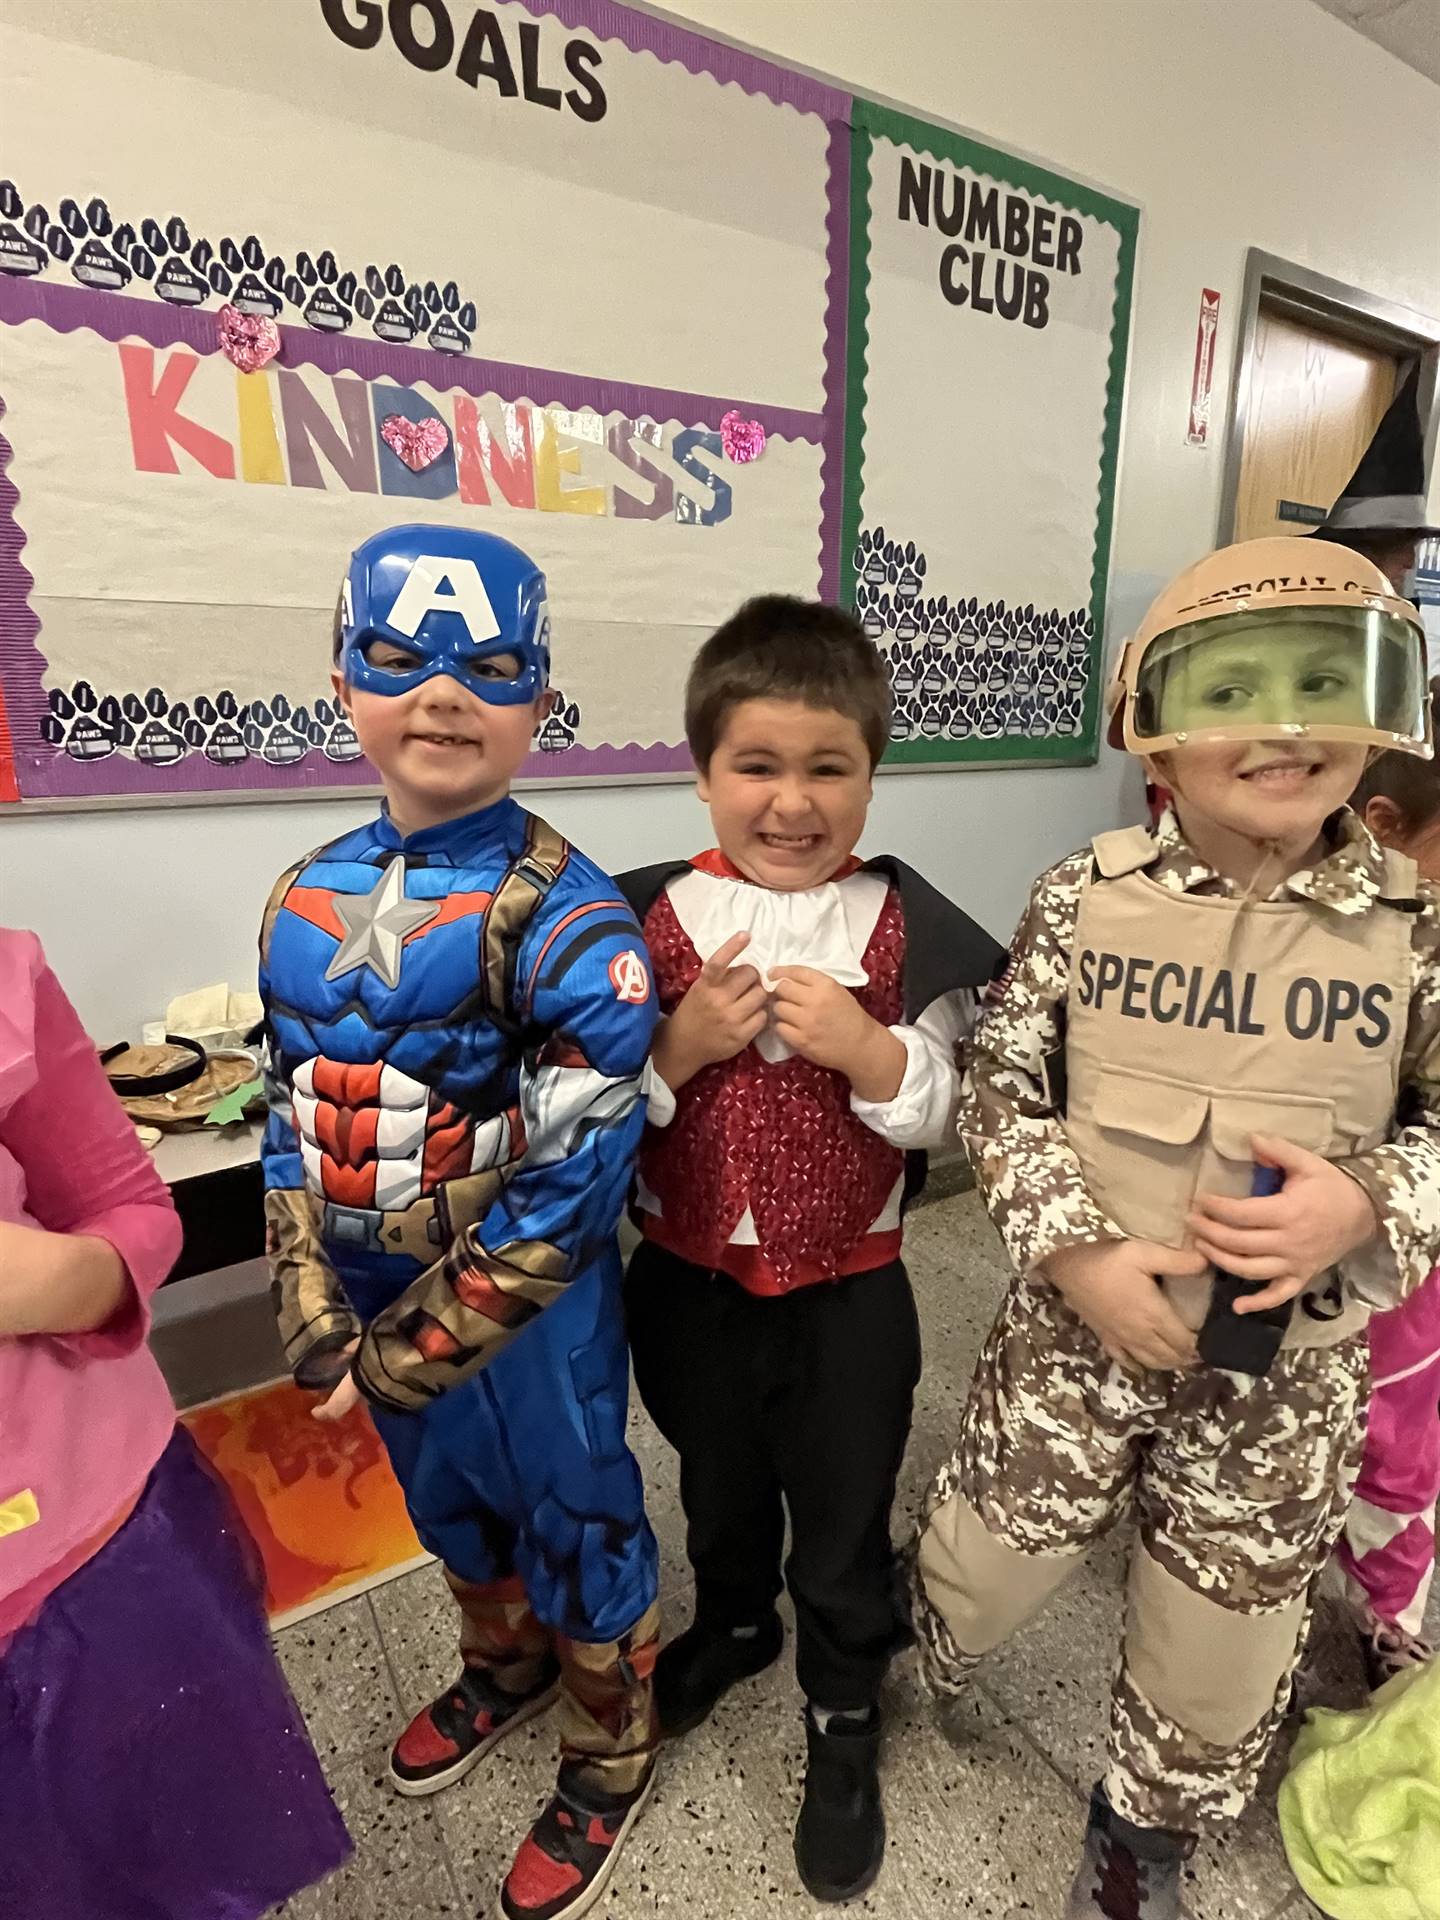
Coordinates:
[376,924]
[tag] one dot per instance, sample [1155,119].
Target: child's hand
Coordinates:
[344,1398]
[718,1018]
[822,1020]
[1112,1286]
[1319,1216]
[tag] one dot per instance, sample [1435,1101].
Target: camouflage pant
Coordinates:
[608,1728]
[1239,1487]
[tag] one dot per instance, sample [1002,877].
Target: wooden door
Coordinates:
[1315,401]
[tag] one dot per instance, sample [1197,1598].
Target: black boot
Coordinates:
[840,1835]
[696,1671]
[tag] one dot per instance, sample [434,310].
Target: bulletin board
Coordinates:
[683,323]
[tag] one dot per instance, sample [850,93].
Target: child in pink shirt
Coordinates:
[152,1763]
[1387,1552]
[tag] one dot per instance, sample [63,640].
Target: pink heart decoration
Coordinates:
[419,443]
[742,439]
[248,340]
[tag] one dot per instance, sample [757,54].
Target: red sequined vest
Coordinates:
[775,1136]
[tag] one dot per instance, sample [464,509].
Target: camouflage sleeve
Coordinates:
[1403,1177]
[1010,1117]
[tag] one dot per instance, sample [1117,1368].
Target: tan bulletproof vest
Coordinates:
[1194,1021]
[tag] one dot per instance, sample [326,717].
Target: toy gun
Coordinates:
[1245,1342]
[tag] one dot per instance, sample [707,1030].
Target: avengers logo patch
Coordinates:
[630,978]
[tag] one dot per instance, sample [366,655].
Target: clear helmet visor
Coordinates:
[1338,673]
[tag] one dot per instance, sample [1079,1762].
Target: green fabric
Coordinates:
[1360,1807]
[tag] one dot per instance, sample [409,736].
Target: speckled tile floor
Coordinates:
[985,1803]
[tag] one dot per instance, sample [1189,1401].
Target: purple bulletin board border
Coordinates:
[673,43]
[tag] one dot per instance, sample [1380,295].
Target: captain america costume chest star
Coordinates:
[398,1025]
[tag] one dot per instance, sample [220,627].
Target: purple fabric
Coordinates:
[153,1765]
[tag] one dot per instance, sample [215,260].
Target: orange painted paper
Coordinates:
[325,1509]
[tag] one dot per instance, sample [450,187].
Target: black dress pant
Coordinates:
[800,1402]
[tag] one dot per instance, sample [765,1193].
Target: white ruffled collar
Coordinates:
[826,928]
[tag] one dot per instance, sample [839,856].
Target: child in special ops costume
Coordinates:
[1245,999]
[459,1012]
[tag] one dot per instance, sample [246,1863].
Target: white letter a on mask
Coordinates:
[444,585]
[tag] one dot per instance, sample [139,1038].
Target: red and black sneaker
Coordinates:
[454,1733]
[567,1857]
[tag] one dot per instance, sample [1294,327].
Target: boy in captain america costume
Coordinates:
[459,1010]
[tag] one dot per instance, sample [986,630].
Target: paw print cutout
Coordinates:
[74,725]
[333,733]
[328,298]
[912,573]
[904,681]
[870,561]
[157,742]
[959,724]
[935,680]
[562,729]
[272,734]
[21,253]
[85,725]
[223,720]
[450,321]
[876,621]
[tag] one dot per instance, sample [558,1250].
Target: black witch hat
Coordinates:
[1386,492]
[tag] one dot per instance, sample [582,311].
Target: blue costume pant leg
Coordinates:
[525,1468]
[527,1465]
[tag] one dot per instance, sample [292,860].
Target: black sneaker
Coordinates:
[1128,1872]
[566,1860]
[696,1671]
[454,1733]
[840,1835]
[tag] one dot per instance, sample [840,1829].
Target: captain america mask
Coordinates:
[421,601]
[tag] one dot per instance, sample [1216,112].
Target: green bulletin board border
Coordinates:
[870,121]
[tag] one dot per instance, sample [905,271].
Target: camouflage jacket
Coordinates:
[1026,1167]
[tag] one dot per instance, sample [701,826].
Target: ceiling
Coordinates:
[1410,29]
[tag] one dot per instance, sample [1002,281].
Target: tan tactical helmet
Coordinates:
[1272,640]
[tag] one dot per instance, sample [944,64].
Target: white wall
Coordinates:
[1234,123]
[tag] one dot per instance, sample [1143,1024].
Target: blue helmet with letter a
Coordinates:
[417,602]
